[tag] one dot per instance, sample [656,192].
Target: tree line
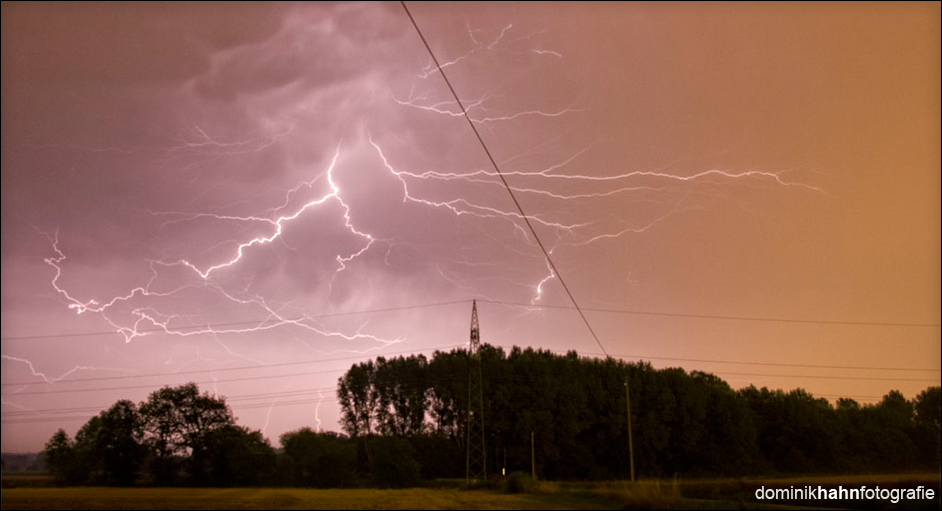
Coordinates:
[177,436]
[180,437]
[404,420]
[576,409]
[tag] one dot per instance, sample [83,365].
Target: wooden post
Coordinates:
[631,449]
[532,458]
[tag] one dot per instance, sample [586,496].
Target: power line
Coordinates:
[776,364]
[134,387]
[287,321]
[719,361]
[500,174]
[291,375]
[274,399]
[225,369]
[22,417]
[721,317]
[151,386]
[23,420]
[623,356]
[250,406]
[284,321]
[46,419]
[829,377]
[514,380]
[228,399]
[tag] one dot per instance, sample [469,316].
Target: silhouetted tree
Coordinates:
[110,445]
[61,460]
[928,425]
[891,431]
[320,460]
[357,396]
[401,388]
[448,394]
[235,456]
[392,462]
[928,408]
[176,423]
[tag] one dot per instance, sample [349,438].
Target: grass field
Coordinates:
[287,498]
[692,494]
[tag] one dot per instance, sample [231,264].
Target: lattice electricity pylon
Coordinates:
[477,455]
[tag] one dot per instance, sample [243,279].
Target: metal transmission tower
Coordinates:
[477,457]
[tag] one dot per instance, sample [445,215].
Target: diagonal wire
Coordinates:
[504,180]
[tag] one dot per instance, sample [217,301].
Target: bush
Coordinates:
[320,460]
[520,482]
[392,462]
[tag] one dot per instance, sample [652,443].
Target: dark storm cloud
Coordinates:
[222,117]
[115,44]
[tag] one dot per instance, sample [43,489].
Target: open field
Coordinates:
[666,494]
[287,498]
[25,480]
[724,493]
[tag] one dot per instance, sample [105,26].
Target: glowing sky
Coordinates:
[719,160]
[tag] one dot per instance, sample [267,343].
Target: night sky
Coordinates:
[257,196]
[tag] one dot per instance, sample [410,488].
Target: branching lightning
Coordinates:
[553,182]
[549,184]
[145,318]
[559,193]
[278,225]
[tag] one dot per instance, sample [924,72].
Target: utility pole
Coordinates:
[532,458]
[631,449]
[476,467]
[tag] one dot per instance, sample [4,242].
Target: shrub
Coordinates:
[392,462]
[520,482]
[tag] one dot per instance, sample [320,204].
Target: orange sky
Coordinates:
[724,166]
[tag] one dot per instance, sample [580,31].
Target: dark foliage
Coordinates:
[392,462]
[236,456]
[405,418]
[62,461]
[683,423]
[178,435]
[319,460]
[519,482]
[177,422]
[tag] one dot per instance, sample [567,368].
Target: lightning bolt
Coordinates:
[555,182]
[147,317]
[317,409]
[539,287]
[430,69]
[14,405]
[46,379]
[579,233]
[278,225]
[550,188]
